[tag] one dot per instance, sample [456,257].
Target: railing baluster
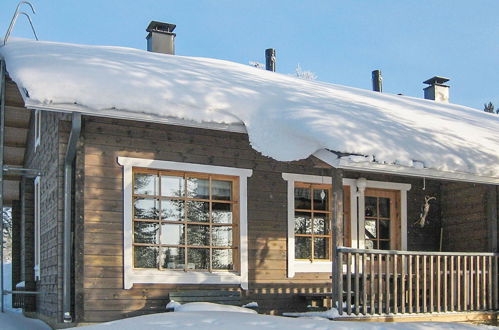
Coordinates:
[349,284]
[416,294]
[466,284]
[471,284]
[490,284]
[357,270]
[411,310]
[387,284]
[458,287]
[339,294]
[495,281]
[380,295]
[439,283]
[431,276]
[395,284]
[402,284]
[424,285]
[477,293]
[452,286]
[364,284]
[372,282]
[484,283]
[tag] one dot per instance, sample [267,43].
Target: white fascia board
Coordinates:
[331,159]
[129,115]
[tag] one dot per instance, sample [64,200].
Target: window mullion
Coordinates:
[185,222]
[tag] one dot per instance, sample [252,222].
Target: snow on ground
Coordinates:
[13,319]
[203,316]
[286,118]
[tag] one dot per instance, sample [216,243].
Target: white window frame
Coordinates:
[38,127]
[152,276]
[37,234]
[357,189]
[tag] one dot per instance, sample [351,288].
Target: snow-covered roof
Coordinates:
[286,118]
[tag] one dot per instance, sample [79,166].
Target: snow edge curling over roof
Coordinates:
[286,118]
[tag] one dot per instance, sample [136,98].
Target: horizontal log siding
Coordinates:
[464,217]
[102,287]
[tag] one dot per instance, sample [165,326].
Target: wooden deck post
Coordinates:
[337,228]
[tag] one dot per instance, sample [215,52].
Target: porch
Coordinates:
[396,283]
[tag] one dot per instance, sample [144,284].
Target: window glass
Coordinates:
[312,221]
[182,221]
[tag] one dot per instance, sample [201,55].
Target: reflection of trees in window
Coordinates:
[377,223]
[183,221]
[312,221]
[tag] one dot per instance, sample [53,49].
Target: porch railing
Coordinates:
[397,282]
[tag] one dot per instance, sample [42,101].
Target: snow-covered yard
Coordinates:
[201,316]
[12,319]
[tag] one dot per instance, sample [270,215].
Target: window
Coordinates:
[37,227]
[312,221]
[184,223]
[38,127]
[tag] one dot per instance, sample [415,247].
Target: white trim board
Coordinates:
[132,276]
[301,266]
[331,159]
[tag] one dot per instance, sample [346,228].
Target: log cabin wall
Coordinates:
[48,157]
[468,217]
[102,287]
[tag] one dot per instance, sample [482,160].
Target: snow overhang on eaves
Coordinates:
[332,159]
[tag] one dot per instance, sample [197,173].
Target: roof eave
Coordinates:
[428,173]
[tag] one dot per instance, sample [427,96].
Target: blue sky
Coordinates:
[340,41]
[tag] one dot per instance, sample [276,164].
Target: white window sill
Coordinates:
[154,276]
[313,267]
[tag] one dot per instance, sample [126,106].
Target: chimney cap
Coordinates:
[436,80]
[161,27]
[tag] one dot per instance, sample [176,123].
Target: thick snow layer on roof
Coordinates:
[286,118]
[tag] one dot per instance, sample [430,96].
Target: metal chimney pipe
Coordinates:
[270,59]
[377,81]
[161,38]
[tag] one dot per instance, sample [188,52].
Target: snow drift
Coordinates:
[286,118]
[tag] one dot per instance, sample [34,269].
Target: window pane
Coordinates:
[303,224]
[146,256]
[303,247]
[370,229]
[172,234]
[198,188]
[172,210]
[302,199]
[198,258]
[145,184]
[198,235]
[321,198]
[198,211]
[222,259]
[172,186]
[321,248]
[146,232]
[221,213]
[221,236]
[173,258]
[384,207]
[384,245]
[384,229]
[146,208]
[221,190]
[371,207]
[321,224]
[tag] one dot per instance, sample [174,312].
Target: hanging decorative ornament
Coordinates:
[323,194]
